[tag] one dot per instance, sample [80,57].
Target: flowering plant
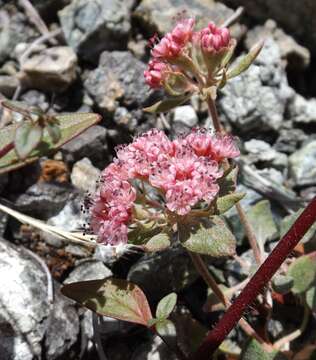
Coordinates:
[159,192]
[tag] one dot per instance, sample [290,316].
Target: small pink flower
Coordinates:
[213,38]
[182,33]
[155,73]
[167,48]
[181,197]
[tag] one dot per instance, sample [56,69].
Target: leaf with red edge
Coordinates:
[111,297]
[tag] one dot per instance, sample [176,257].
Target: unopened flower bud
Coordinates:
[154,74]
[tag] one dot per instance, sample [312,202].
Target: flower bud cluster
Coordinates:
[184,172]
[177,47]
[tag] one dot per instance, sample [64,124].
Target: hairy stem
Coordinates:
[210,281]
[257,283]
[6,149]
[213,113]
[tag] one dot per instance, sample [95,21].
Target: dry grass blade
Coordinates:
[74,237]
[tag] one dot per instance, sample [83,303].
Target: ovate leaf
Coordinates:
[224,203]
[166,306]
[303,272]
[167,104]
[27,137]
[54,132]
[167,330]
[208,236]
[254,351]
[158,242]
[114,298]
[71,125]
[227,183]
[245,61]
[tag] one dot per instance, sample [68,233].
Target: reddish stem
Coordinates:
[6,149]
[257,283]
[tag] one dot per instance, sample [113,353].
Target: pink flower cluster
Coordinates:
[184,170]
[178,42]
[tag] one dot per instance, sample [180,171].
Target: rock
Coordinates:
[25,315]
[36,98]
[154,350]
[289,140]
[257,99]
[302,165]
[91,144]
[8,85]
[88,270]
[44,200]
[91,26]
[263,152]
[118,80]
[185,114]
[296,56]
[63,329]
[302,111]
[158,15]
[53,69]
[161,273]
[15,29]
[128,119]
[84,175]
[287,13]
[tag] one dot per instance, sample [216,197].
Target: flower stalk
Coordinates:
[257,283]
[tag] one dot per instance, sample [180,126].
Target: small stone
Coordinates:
[8,85]
[296,56]
[118,80]
[289,140]
[53,69]
[303,111]
[157,15]
[186,114]
[91,26]
[44,200]
[302,165]
[84,175]
[88,270]
[91,143]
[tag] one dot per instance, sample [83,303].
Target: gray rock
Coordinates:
[53,69]
[302,165]
[186,114]
[118,80]
[154,350]
[8,85]
[126,118]
[158,15]
[44,200]
[303,111]
[289,140]
[288,14]
[25,314]
[91,144]
[91,26]
[15,29]
[36,98]
[257,99]
[88,270]
[63,329]
[84,175]
[296,56]
[261,151]
[161,273]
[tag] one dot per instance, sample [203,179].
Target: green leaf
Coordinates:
[244,63]
[158,242]
[254,351]
[261,220]
[71,125]
[208,236]
[166,306]
[167,104]
[282,284]
[311,298]
[227,183]
[224,203]
[27,137]
[167,330]
[152,322]
[289,220]
[303,272]
[54,132]
[111,297]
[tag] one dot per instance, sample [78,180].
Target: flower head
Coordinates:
[155,73]
[214,38]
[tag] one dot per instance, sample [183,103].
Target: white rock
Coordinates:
[186,114]
[84,175]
